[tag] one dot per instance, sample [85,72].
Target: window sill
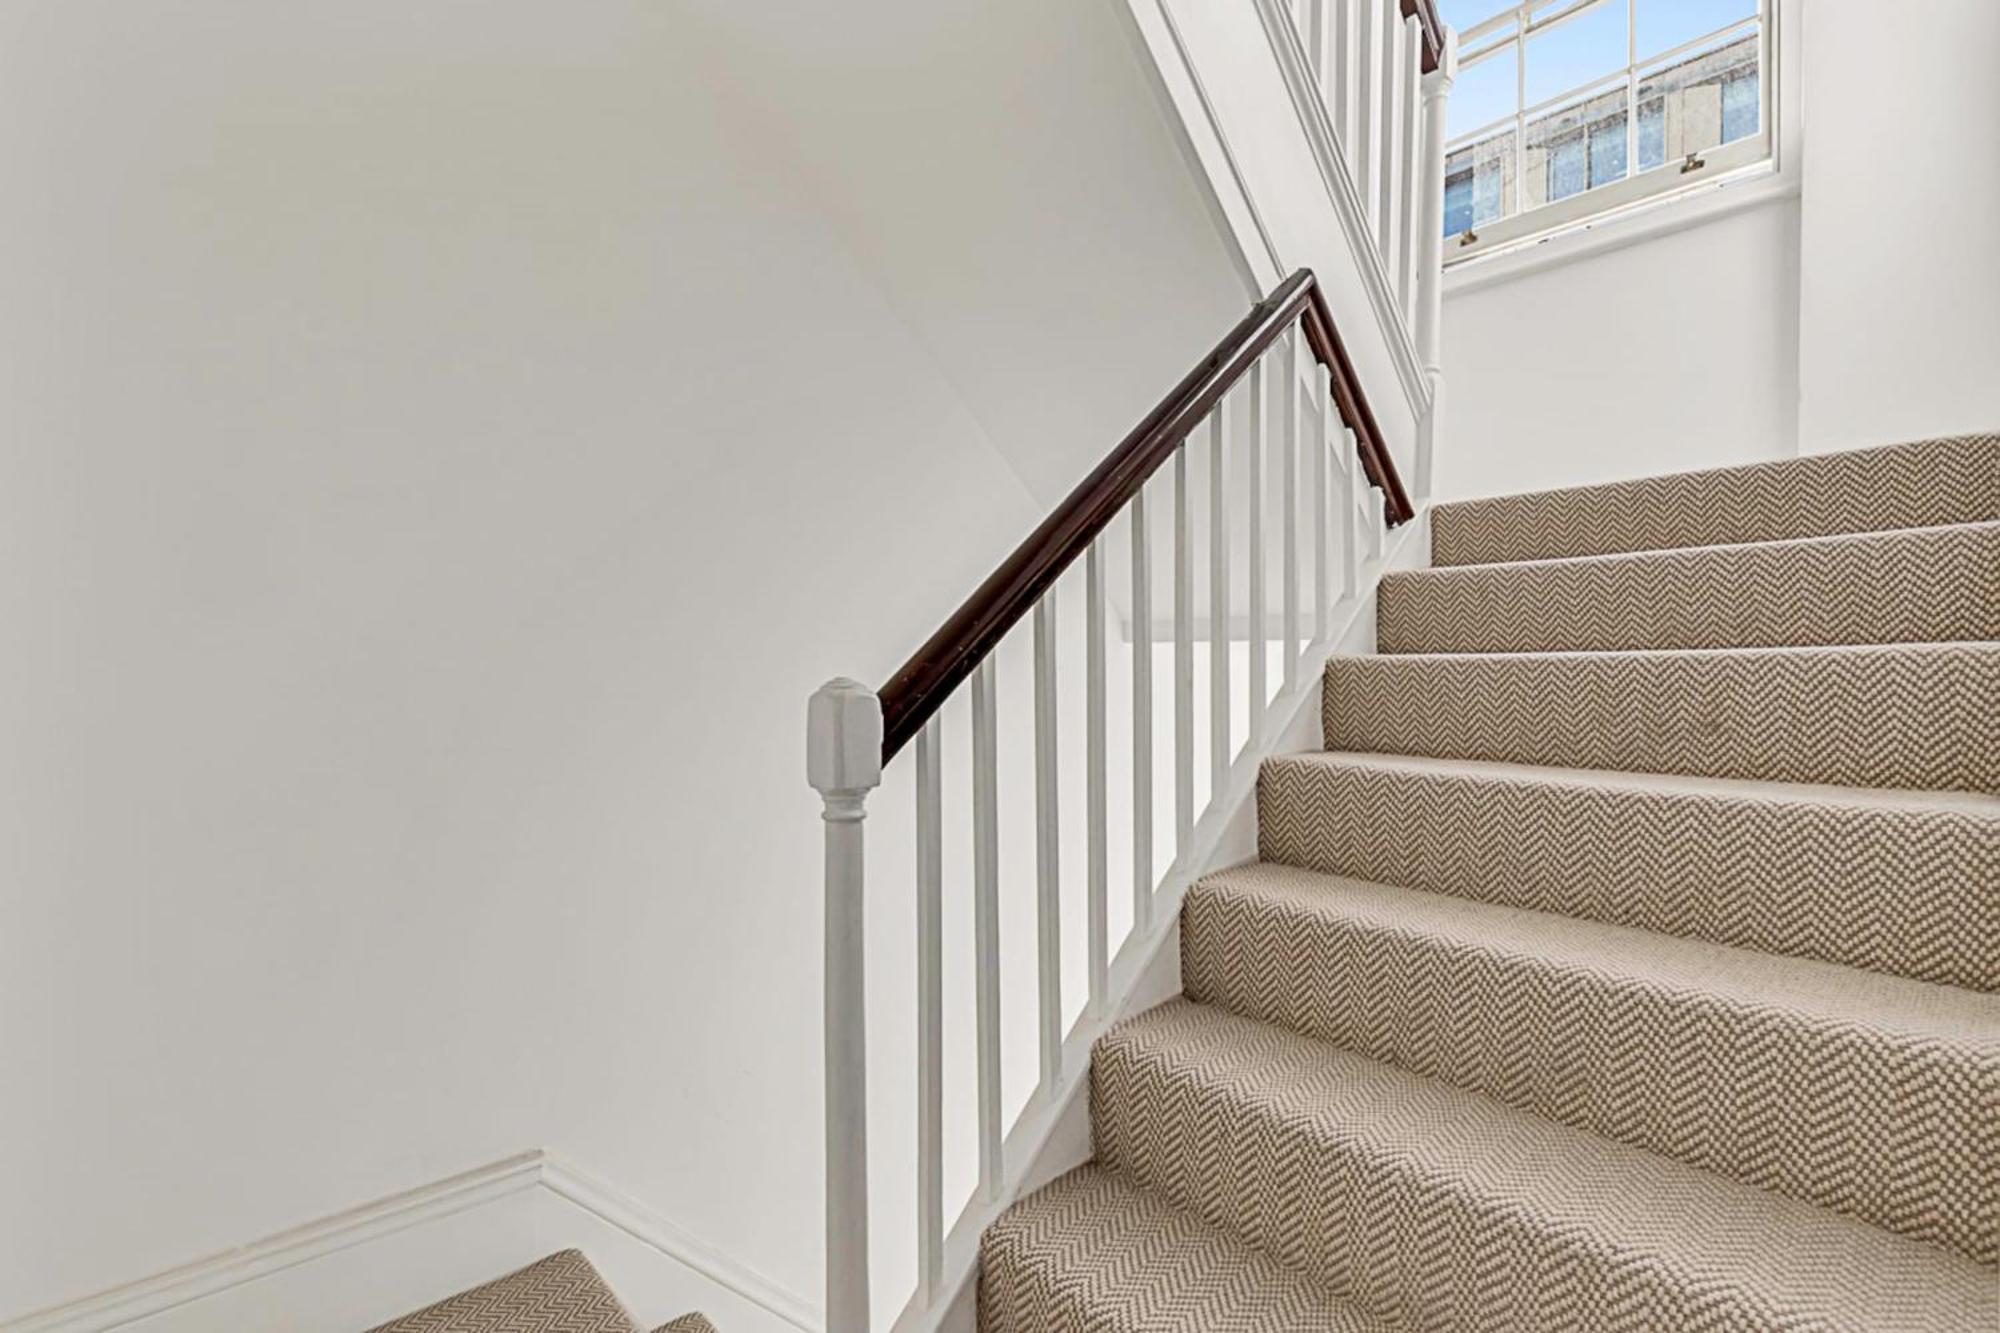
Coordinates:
[1751,187]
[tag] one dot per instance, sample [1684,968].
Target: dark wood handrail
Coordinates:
[915,693]
[1427,17]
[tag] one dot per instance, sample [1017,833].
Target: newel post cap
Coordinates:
[843,739]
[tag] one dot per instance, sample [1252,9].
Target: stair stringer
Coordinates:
[1052,1135]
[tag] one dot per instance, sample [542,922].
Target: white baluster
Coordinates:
[1343,83]
[1218,599]
[1142,718]
[1323,443]
[1388,166]
[986,925]
[1409,188]
[1375,504]
[1350,514]
[1288,487]
[1430,261]
[1259,416]
[930,1015]
[1048,852]
[1367,157]
[1183,658]
[1098,937]
[844,764]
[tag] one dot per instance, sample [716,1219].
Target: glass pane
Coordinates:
[1484,93]
[1699,100]
[1479,183]
[1576,51]
[1665,24]
[1574,148]
[1464,14]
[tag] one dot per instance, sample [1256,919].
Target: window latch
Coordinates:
[1695,162]
[1471,237]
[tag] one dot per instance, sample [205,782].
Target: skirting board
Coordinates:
[350,1271]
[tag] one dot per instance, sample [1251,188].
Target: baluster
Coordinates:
[1098,931]
[1288,487]
[1183,659]
[1389,165]
[1322,446]
[1048,853]
[843,764]
[1341,90]
[1142,719]
[1409,200]
[1368,110]
[1218,599]
[930,1015]
[986,925]
[1349,461]
[1374,504]
[1259,412]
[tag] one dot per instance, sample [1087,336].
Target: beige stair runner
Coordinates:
[559,1294]
[1630,959]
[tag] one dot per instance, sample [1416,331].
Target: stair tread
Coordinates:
[1426,1203]
[1826,993]
[560,1294]
[1903,585]
[1093,1250]
[1921,483]
[1981,805]
[1920,715]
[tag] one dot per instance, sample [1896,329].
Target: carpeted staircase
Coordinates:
[559,1294]
[1629,960]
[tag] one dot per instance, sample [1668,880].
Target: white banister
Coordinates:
[1340,86]
[930,1013]
[1260,412]
[1183,657]
[1096,836]
[1048,849]
[1367,155]
[1218,598]
[1324,441]
[1409,200]
[1430,261]
[986,925]
[844,764]
[1350,519]
[1294,355]
[1142,717]
[1391,167]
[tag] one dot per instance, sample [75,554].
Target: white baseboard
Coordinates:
[357,1268]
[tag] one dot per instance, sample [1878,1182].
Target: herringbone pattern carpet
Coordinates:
[559,1294]
[1630,961]
[1901,715]
[1823,590]
[1926,484]
[1901,882]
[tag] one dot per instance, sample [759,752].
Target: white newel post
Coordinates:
[1430,264]
[843,764]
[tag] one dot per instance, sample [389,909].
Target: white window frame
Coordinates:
[1752,155]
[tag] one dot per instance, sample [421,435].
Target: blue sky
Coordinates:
[1579,51]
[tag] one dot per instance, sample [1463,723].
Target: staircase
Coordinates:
[1630,959]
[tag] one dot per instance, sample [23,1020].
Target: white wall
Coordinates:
[441,447]
[1675,353]
[1900,296]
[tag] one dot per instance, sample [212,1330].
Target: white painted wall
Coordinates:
[441,448]
[1674,353]
[1900,290]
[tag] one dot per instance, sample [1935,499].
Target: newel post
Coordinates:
[1430,262]
[843,764]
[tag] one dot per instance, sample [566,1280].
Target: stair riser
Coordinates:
[1924,716]
[1897,1132]
[1936,585]
[1916,485]
[1269,1145]
[1910,892]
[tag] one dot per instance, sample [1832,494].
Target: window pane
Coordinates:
[1682,104]
[1665,24]
[1464,14]
[1479,183]
[1575,52]
[1575,147]
[1484,93]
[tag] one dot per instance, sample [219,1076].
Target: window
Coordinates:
[1566,108]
